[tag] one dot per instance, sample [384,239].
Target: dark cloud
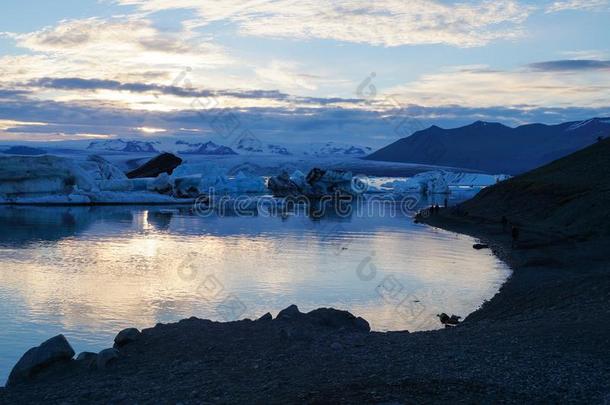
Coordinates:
[570,65]
[270,124]
[74,83]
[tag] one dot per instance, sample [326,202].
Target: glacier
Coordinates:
[50,179]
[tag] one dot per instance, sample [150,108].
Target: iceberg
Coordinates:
[441,182]
[316,184]
[100,169]
[207,178]
[55,180]
[39,175]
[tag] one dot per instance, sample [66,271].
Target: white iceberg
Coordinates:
[38,175]
[55,180]
[100,169]
[441,182]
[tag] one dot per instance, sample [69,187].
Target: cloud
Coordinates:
[75,83]
[74,120]
[482,87]
[112,49]
[588,5]
[383,22]
[570,65]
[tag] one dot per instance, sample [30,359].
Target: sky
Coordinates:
[358,72]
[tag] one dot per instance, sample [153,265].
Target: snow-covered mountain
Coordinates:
[248,145]
[120,145]
[207,148]
[338,149]
[278,149]
[326,149]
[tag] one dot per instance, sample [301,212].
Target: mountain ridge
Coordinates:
[494,147]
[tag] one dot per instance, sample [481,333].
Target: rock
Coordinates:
[266,317]
[164,163]
[283,186]
[55,350]
[449,320]
[106,358]
[479,246]
[126,336]
[338,319]
[89,359]
[291,312]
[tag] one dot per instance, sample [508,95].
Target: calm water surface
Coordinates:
[89,272]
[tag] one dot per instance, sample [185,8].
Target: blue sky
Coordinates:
[291,70]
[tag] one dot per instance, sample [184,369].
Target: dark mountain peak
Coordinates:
[494,147]
[483,124]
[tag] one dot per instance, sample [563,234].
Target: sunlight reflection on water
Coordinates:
[88,272]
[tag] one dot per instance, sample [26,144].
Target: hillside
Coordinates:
[570,196]
[493,147]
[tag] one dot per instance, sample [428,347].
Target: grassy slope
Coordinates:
[570,196]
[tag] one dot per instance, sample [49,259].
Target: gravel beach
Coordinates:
[543,338]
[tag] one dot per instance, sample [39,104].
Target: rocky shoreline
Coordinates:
[537,341]
[542,339]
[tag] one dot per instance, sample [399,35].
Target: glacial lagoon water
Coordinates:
[88,272]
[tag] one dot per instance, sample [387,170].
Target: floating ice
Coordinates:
[441,182]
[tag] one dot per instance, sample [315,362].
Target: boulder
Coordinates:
[55,350]
[479,246]
[323,317]
[337,319]
[164,163]
[106,358]
[266,317]
[126,336]
[89,359]
[291,312]
[449,320]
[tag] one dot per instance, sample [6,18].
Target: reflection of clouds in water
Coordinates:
[123,269]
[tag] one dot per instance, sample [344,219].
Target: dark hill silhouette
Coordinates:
[570,196]
[493,147]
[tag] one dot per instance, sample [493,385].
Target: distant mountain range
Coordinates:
[24,150]
[245,146]
[207,148]
[120,145]
[493,147]
[335,148]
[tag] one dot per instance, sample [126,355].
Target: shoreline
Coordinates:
[291,359]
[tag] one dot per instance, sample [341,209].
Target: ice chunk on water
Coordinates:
[42,175]
[100,169]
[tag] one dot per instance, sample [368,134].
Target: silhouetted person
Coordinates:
[504,223]
[446,202]
[600,138]
[437,208]
[515,235]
